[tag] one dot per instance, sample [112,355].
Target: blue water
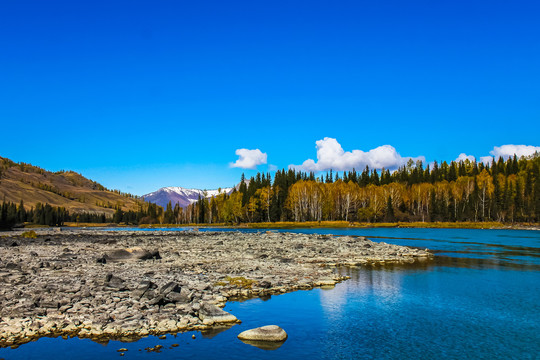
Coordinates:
[479,299]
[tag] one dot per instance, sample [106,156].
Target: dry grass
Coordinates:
[238,282]
[345,224]
[69,190]
[326,224]
[29,234]
[81,224]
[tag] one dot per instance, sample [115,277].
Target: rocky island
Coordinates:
[130,284]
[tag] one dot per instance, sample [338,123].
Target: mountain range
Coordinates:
[181,196]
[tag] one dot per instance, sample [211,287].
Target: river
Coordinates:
[479,299]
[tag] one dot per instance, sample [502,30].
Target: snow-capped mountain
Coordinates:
[181,196]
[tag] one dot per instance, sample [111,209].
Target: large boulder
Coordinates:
[215,314]
[171,292]
[264,333]
[175,293]
[129,255]
[115,283]
[145,287]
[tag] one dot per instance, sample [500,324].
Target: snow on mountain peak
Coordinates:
[181,196]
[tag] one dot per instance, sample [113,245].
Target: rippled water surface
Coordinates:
[479,299]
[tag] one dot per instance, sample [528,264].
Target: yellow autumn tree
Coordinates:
[486,187]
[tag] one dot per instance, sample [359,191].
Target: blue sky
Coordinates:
[139,95]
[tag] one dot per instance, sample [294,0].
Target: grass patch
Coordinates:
[29,234]
[323,224]
[238,282]
[292,224]
[152,226]
[346,224]
[81,224]
[455,225]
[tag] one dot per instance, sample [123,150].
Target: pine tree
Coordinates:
[374,178]
[8,217]
[389,215]
[169,215]
[496,201]
[515,165]
[243,189]
[434,173]
[118,215]
[21,212]
[518,202]
[202,209]
[433,207]
[536,192]
[176,213]
[507,198]
[452,172]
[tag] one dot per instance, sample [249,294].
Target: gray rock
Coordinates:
[115,283]
[49,304]
[170,287]
[143,289]
[129,255]
[265,284]
[183,296]
[264,333]
[214,313]
[12,266]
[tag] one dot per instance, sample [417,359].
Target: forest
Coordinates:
[506,191]
[12,215]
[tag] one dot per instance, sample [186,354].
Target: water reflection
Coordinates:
[496,260]
[333,301]
[264,345]
[383,285]
[215,331]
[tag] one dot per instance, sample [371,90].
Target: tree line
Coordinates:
[147,213]
[12,215]
[505,190]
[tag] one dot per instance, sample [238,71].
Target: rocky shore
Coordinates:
[123,284]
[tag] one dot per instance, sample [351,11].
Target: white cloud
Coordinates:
[486,159]
[463,157]
[504,151]
[249,159]
[507,151]
[330,155]
[272,167]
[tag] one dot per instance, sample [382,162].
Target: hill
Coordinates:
[32,184]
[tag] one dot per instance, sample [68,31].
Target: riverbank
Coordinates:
[106,284]
[426,225]
[330,224]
